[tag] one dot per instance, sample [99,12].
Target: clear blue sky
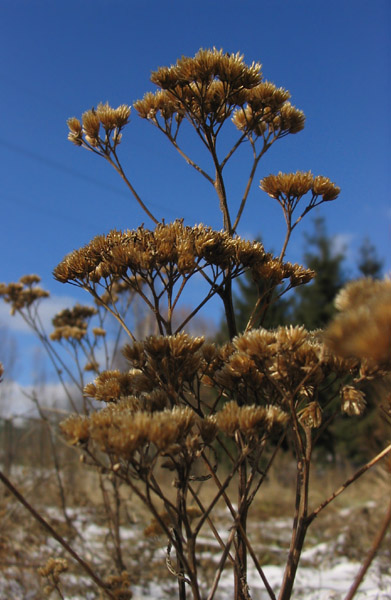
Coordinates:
[61,58]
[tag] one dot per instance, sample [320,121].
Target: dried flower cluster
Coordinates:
[249,421]
[158,264]
[143,252]
[272,374]
[289,188]
[172,253]
[54,567]
[285,367]
[88,132]
[114,385]
[23,293]
[52,571]
[72,323]
[120,432]
[119,586]
[209,88]
[271,365]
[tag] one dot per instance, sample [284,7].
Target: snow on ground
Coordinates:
[324,574]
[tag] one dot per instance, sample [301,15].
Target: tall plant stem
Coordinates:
[226,296]
[300,522]
[236,516]
[219,182]
[241,551]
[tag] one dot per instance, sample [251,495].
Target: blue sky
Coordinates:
[61,58]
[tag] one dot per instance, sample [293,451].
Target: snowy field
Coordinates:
[326,572]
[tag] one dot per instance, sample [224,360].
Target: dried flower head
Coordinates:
[53,569]
[99,332]
[120,431]
[361,292]
[110,386]
[311,415]
[77,316]
[92,365]
[209,87]
[168,362]
[251,421]
[288,188]
[363,328]
[266,366]
[76,429]
[23,294]
[75,134]
[66,332]
[352,400]
[87,132]
[270,117]
[119,585]
[29,280]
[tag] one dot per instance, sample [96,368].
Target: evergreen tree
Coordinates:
[369,264]
[245,300]
[311,305]
[314,303]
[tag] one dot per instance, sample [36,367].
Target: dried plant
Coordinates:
[184,402]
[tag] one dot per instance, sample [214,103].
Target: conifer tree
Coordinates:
[246,294]
[369,264]
[314,305]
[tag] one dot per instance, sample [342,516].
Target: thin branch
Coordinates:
[250,180]
[238,526]
[371,554]
[56,535]
[115,314]
[221,564]
[117,166]
[189,160]
[348,482]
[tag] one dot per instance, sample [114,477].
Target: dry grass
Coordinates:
[350,523]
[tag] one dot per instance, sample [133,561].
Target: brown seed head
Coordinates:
[22,294]
[363,328]
[311,415]
[91,125]
[352,401]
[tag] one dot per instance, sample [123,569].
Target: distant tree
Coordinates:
[314,303]
[245,298]
[369,264]
[248,294]
[311,305]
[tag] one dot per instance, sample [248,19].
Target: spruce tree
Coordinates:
[314,304]
[369,264]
